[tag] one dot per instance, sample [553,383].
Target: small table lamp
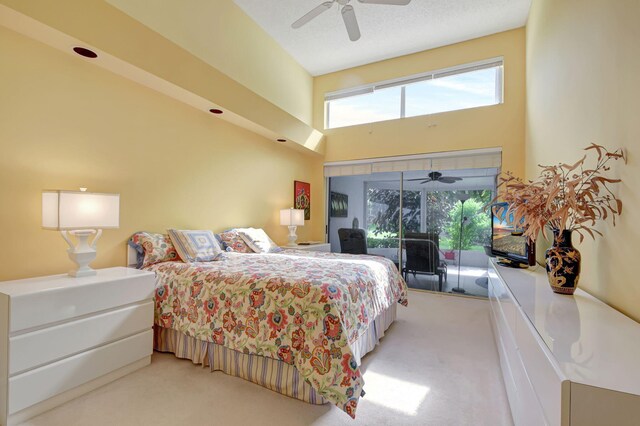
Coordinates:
[292,218]
[81,214]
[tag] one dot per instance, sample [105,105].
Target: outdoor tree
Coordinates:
[476,230]
[384,209]
[442,216]
[438,206]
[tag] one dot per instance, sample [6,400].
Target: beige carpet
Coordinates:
[437,365]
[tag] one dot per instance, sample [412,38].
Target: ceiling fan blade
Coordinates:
[350,21]
[312,14]
[449,179]
[391,2]
[414,179]
[426,181]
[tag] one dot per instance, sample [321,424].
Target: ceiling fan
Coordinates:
[348,14]
[437,177]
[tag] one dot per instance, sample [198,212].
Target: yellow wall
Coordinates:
[220,33]
[583,86]
[66,123]
[495,126]
[101,26]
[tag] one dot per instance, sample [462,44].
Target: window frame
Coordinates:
[496,62]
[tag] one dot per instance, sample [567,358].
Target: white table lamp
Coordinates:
[292,218]
[81,214]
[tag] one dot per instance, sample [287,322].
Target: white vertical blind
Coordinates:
[348,169]
[471,159]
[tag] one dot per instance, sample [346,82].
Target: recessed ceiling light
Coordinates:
[281,140]
[215,111]
[85,52]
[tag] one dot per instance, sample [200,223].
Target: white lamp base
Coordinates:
[292,236]
[83,253]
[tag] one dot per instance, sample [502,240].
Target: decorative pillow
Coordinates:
[258,240]
[153,248]
[234,242]
[195,246]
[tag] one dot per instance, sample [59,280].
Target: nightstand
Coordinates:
[61,337]
[326,247]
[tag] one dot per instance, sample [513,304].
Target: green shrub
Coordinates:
[476,231]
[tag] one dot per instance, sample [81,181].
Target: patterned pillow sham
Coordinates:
[195,245]
[234,242]
[152,248]
[258,240]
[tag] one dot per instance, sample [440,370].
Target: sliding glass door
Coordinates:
[431,222]
[363,214]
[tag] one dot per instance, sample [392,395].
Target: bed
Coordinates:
[296,322]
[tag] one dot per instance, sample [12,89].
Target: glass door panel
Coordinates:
[382,204]
[432,224]
[363,214]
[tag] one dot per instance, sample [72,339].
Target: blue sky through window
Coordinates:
[460,91]
[377,106]
[455,92]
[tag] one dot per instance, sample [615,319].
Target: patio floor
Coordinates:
[472,280]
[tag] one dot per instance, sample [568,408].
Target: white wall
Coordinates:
[353,187]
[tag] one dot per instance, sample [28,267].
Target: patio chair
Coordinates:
[435,237]
[352,241]
[423,257]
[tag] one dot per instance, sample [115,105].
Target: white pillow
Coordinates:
[258,240]
[195,246]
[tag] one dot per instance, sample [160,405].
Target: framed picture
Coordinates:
[302,197]
[339,204]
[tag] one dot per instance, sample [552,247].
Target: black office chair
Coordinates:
[423,257]
[352,241]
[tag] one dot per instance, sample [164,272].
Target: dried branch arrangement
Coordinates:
[572,197]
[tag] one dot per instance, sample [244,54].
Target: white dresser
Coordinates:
[565,360]
[326,247]
[61,336]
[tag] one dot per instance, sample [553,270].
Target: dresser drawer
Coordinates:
[528,406]
[507,375]
[43,346]
[505,329]
[546,381]
[525,407]
[64,302]
[504,300]
[45,382]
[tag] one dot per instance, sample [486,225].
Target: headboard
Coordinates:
[132,257]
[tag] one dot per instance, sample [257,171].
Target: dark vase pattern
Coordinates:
[563,263]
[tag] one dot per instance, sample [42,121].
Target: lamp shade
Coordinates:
[74,210]
[292,217]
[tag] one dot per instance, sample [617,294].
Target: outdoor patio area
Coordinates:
[472,279]
[426,221]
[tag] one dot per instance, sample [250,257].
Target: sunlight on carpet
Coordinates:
[395,394]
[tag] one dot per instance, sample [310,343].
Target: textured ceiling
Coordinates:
[322,46]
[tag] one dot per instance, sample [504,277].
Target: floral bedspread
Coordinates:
[304,308]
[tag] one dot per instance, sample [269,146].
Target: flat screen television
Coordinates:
[507,241]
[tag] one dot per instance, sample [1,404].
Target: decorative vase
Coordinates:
[563,263]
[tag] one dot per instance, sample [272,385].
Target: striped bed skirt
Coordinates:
[267,372]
